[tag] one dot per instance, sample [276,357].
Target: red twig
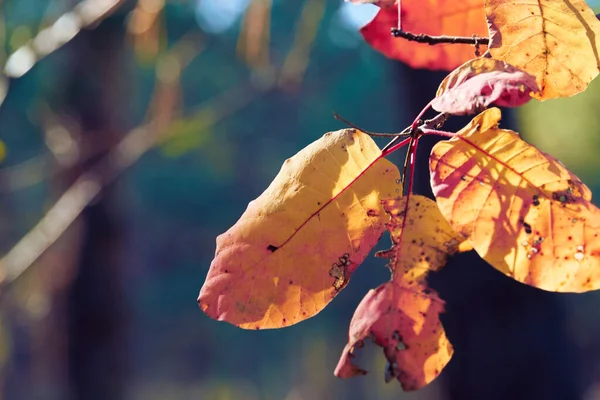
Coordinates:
[415,123]
[427,131]
[413,156]
[392,147]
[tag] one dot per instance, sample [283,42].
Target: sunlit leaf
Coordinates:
[520,208]
[555,40]
[441,17]
[298,243]
[402,315]
[478,83]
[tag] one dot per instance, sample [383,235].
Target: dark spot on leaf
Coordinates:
[291,282]
[536,200]
[226,271]
[570,238]
[272,248]
[527,228]
[372,213]
[257,328]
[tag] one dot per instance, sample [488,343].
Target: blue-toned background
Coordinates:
[181,112]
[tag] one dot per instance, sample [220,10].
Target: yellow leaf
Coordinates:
[297,244]
[520,208]
[402,315]
[557,41]
[422,238]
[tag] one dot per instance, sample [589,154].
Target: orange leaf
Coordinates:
[480,82]
[520,208]
[402,315]
[441,17]
[297,244]
[557,41]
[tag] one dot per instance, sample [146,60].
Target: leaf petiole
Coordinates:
[407,161]
[417,120]
[393,146]
[413,157]
[427,131]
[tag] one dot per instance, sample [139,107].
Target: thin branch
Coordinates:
[436,122]
[428,132]
[84,15]
[351,125]
[81,193]
[433,40]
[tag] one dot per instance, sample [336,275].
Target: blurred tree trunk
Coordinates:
[510,339]
[96,311]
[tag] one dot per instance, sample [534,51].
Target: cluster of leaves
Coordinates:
[297,245]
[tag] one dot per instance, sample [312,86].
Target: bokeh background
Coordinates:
[133,132]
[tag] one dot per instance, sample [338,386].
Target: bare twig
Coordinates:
[81,193]
[350,124]
[436,122]
[433,40]
[84,15]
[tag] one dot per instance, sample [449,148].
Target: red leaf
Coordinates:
[402,315]
[441,17]
[405,322]
[481,82]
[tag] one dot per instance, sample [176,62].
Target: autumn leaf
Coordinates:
[555,40]
[297,244]
[402,315]
[441,17]
[480,82]
[520,208]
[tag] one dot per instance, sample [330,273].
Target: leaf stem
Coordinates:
[406,162]
[415,123]
[433,40]
[413,158]
[427,131]
[393,146]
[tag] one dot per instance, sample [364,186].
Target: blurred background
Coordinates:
[134,132]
